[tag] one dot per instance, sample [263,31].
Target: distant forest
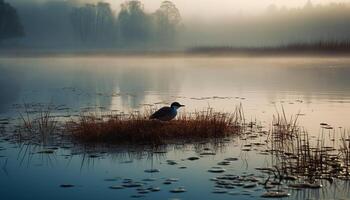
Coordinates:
[10,25]
[71,24]
[74,25]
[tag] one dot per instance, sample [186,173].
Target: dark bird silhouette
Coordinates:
[166,113]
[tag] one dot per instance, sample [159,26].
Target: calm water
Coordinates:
[317,88]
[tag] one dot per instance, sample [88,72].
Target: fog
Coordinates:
[60,24]
[207,9]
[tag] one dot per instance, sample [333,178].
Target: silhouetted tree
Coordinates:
[167,21]
[105,22]
[134,24]
[83,21]
[10,25]
[94,23]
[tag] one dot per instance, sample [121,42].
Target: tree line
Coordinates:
[10,25]
[73,25]
[96,24]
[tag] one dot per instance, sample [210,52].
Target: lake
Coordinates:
[315,89]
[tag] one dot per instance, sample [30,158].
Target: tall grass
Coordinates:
[345,152]
[136,128]
[39,123]
[295,153]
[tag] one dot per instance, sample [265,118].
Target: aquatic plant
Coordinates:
[37,122]
[345,152]
[136,128]
[296,154]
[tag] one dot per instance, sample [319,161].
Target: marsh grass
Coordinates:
[37,124]
[345,151]
[295,153]
[136,128]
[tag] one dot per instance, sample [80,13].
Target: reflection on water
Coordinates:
[28,174]
[142,77]
[319,89]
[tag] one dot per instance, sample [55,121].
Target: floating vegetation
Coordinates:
[66,186]
[172,179]
[250,185]
[171,162]
[152,170]
[217,170]
[224,163]
[275,194]
[193,158]
[231,159]
[167,182]
[178,190]
[219,191]
[149,179]
[154,189]
[132,184]
[116,187]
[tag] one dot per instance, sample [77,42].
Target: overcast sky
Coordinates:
[222,7]
[213,8]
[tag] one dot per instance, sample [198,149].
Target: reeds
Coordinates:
[37,123]
[296,154]
[136,128]
[345,152]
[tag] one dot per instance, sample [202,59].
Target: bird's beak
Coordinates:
[182,105]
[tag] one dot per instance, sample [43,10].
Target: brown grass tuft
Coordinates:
[137,128]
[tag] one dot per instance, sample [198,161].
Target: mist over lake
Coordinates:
[174,99]
[145,26]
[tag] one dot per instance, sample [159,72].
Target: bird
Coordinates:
[167,113]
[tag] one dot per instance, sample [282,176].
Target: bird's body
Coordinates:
[166,113]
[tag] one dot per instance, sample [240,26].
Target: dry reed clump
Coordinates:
[296,154]
[137,128]
[37,123]
[345,152]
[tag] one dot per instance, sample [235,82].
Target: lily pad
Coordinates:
[278,194]
[132,184]
[178,190]
[116,187]
[193,158]
[217,170]
[152,170]
[66,185]
[219,191]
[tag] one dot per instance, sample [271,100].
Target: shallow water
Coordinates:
[317,88]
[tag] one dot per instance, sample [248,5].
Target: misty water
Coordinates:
[317,89]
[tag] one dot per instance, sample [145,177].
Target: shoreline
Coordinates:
[34,53]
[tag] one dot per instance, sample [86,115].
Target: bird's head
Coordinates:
[176,105]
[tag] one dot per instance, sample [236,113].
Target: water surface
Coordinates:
[316,88]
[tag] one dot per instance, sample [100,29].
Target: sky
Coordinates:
[224,8]
[213,9]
